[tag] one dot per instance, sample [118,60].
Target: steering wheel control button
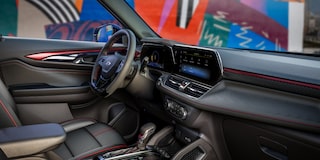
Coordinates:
[109,65]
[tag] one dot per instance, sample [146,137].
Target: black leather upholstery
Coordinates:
[8,116]
[85,138]
[90,139]
[27,140]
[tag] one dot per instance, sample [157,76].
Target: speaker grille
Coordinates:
[195,154]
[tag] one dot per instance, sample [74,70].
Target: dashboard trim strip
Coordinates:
[256,75]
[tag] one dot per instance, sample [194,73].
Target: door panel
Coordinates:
[70,95]
[31,84]
[17,73]
[46,87]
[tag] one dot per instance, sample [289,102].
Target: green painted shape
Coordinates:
[8,17]
[215,31]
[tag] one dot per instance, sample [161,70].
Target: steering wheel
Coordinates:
[111,68]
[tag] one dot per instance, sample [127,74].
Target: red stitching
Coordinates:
[103,150]
[8,113]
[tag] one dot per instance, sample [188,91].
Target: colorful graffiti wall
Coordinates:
[63,19]
[252,24]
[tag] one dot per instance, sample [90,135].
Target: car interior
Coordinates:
[140,96]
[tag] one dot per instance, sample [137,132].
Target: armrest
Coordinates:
[31,139]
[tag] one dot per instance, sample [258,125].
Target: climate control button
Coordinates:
[176,109]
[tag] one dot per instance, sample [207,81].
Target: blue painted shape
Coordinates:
[80,30]
[92,10]
[240,37]
[279,11]
[275,9]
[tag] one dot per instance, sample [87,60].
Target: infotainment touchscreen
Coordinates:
[197,63]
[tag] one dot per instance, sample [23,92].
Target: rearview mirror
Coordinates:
[104,32]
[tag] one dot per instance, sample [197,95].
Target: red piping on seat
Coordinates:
[103,150]
[8,113]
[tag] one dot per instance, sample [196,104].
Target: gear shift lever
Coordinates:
[146,131]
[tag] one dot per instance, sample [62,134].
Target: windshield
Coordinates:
[275,25]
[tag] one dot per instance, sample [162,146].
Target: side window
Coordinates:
[63,19]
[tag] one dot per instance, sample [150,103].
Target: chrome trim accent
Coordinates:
[130,155]
[164,79]
[61,58]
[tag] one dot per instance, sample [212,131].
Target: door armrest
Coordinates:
[31,139]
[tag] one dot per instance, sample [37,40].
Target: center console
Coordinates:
[178,143]
[181,73]
[121,154]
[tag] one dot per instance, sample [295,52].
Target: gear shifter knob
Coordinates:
[146,131]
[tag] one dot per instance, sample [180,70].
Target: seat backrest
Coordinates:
[8,116]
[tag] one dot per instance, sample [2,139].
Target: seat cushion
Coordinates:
[87,139]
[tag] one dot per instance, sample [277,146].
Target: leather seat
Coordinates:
[85,138]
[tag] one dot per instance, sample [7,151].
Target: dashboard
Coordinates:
[186,70]
[196,63]
[194,89]
[191,79]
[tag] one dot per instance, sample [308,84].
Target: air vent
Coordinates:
[186,86]
[174,83]
[195,90]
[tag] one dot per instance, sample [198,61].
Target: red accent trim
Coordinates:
[103,150]
[313,86]
[42,55]
[8,113]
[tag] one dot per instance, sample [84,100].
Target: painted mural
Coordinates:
[8,18]
[250,24]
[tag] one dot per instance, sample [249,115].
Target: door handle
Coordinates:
[82,60]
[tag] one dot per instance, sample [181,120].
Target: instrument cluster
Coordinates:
[158,56]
